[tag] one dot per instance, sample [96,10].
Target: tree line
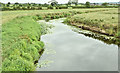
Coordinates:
[53,4]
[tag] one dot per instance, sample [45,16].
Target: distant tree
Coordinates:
[87,4]
[45,5]
[105,4]
[40,4]
[16,3]
[20,5]
[94,3]
[53,2]
[9,3]
[69,3]
[76,3]
[73,2]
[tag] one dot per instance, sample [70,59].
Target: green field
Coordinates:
[21,33]
[9,15]
[105,22]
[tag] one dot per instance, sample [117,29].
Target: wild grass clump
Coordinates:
[21,44]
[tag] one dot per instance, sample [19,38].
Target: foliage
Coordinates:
[104,4]
[21,41]
[20,44]
[101,21]
[54,3]
[87,4]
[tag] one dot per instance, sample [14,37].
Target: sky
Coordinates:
[59,1]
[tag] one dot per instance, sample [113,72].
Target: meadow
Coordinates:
[104,22]
[21,33]
[9,15]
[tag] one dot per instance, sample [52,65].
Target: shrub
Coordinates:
[113,17]
[40,17]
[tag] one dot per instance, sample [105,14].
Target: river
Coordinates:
[67,50]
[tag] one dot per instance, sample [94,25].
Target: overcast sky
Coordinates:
[60,1]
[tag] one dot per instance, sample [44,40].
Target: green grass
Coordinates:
[9,15]
[102,21]
[20,44]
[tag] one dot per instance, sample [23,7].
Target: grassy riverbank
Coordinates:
[104,22]
[21,34]
[21,44]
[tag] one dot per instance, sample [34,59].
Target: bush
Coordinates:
[63,7]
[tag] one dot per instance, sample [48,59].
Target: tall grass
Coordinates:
[21,44]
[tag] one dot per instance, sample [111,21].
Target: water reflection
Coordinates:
[108,40]
[71,51]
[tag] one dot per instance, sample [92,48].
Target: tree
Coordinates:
[73,2]
[94,3]
[53,2]
[69,3]
[104,4]
[9,3]
[87,4]
[16,3]
[76,3]
[45,5]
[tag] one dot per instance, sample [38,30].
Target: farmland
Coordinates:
[21,33]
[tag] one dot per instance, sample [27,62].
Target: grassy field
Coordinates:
[21,33]
[9,15]
[105,22]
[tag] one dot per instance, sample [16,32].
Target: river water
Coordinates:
[67,50]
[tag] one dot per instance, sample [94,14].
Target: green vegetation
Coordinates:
[21,33]
[104,22]
[9,15]
[87,4]
[54,5]
[21,44]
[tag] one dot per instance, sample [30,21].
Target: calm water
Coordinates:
[66,50]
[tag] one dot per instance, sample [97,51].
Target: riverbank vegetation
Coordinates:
[21,33]
[104,22]
[21,44]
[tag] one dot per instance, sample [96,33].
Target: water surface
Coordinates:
[66,50]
